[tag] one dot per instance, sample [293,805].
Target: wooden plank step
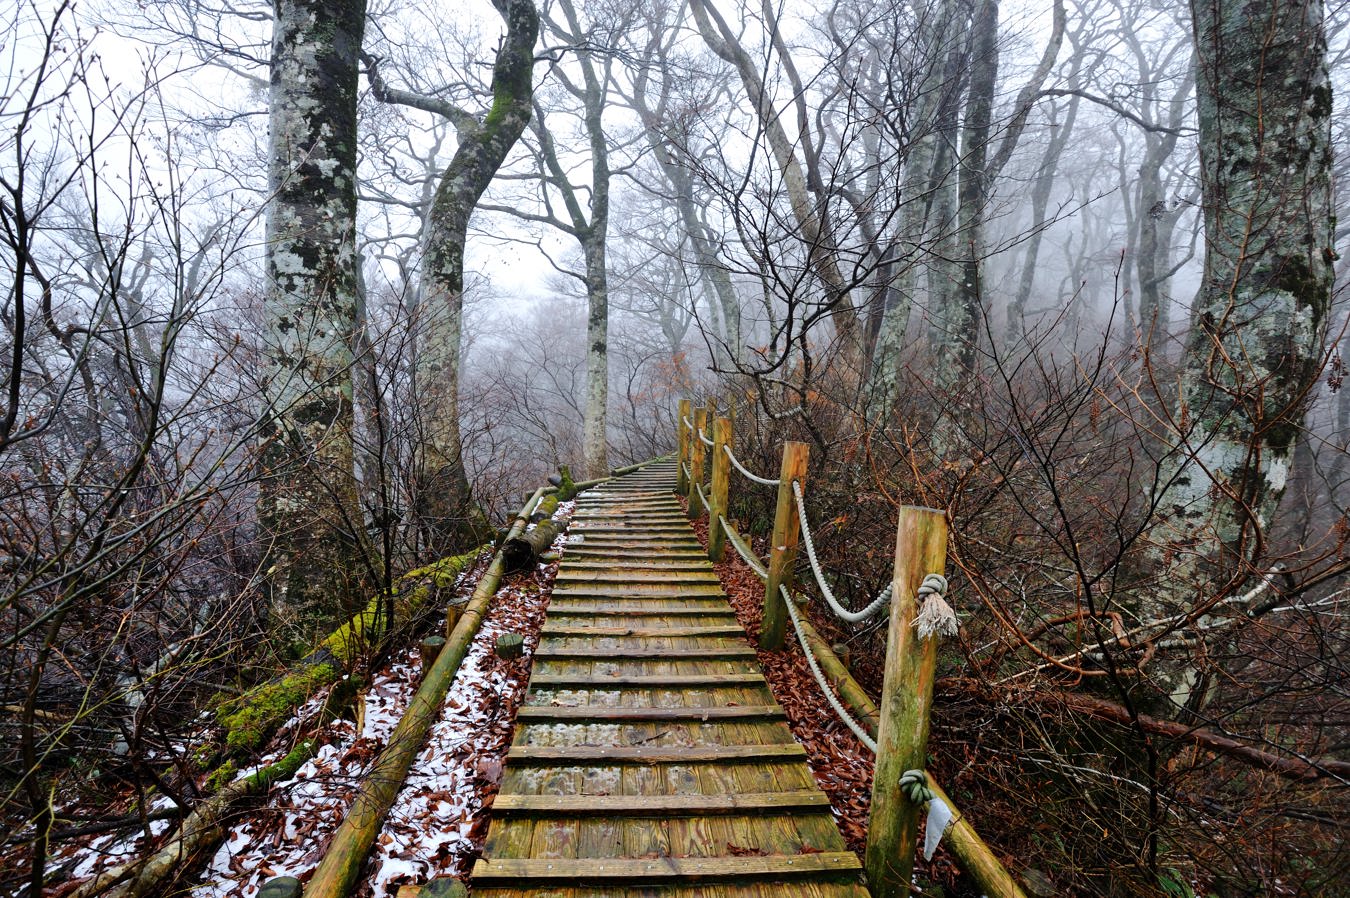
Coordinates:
[642,681]
[690,805]
[560,609]
[665,871]
[562,713]
[621,554]
[654,566]
[636,591]
[552,629]
[611,755]
[653,516]
[630,575]
[546,652]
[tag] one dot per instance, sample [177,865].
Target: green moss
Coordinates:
[252,717]
[443,573]
[222,776]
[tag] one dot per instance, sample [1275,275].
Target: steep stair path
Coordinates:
[649,757]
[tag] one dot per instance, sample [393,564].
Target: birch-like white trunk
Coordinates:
[1257,343]
[308,503]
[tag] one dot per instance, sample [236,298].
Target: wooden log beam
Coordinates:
[684,413]
[972,853]
[337,872]
[721,480]
[783,546]
[906,696]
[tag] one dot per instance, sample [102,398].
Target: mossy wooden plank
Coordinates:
[556,629]
[587,681]
[546,652]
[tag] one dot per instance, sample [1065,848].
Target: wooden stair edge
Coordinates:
[690,805]
[665,870]
[618,755]
[569,713]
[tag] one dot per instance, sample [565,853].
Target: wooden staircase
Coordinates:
[649,757]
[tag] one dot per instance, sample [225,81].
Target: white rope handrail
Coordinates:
[824,685]
[735,462]
[707,441]
[687,422]
[742,549]
[698,488]
[852,617]
[685,469]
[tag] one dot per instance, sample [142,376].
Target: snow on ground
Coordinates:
[439,821]
[437,824]
[288,836]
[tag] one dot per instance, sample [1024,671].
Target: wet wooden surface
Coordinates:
[650,758]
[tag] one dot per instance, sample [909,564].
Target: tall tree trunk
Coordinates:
[594,420]
[974,180]
[1153,260]
[1040,202]
[308,504]
[1264,104]
[445,501]
[915,215]
[806,212]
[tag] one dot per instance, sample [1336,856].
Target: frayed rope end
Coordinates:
[935,616]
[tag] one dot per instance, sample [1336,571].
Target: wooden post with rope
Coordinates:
[721,479]
[682,438]
[906,697]
[696,455]
[783,547]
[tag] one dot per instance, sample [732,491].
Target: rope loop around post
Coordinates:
[935,617]
[746,473]
[881,601]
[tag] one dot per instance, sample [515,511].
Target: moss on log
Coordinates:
[250,719]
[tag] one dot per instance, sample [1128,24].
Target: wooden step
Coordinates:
[638,591]
[628,575]
[547,652]
[641,681]
[609,755]
[662,871]
[560,713]
[692,805]
[648,608]
[552,629]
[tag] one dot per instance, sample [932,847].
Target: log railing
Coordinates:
[897,729]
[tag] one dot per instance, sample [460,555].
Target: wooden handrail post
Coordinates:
[682,435]
[783,547]
[696,456]
[721,478]
[906,696]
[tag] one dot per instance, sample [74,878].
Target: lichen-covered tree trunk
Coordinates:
[445,502]
[308,505]
[915,217]
[1264,107]
[594,422]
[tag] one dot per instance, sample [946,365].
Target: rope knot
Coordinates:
[935,616]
